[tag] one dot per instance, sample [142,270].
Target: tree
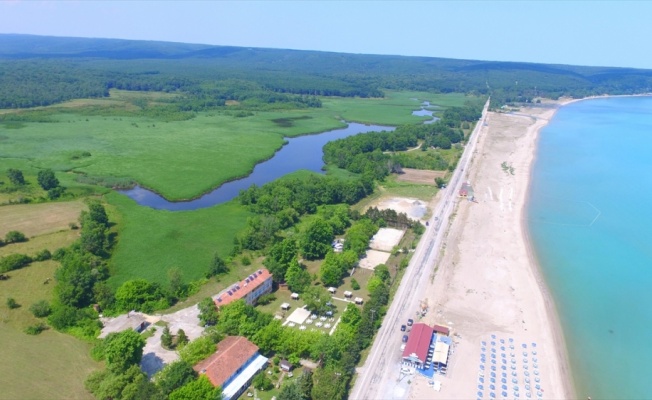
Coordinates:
[174,375]
[40,309]
[440,182]
[262,382]
[197,350]
[182,338]
[11,303]
[291,391]
[316,240]
[46,179]
[217,267]
[15,237]
[123,349]
[207,312]
[316,298]
[328,384]
[166,338]
[199,389]
[96,213]
[175,279]
[16,176]
[94,238]
[297,278]
[139,294]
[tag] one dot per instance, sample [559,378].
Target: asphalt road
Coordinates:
[380,376]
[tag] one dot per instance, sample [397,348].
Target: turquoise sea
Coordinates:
[590,221]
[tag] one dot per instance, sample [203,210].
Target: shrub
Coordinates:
[262,382]
[43,255]
[40,309]
[11,303]
[354,284]
[246,260]
[15,237]
[14,261]
[59,254]
[36,329]
[266,299]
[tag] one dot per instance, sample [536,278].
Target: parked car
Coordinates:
[410,322]
[405,338]
[402,328]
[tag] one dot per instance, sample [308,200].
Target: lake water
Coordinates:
[303,152]
[426,112]
[590,221]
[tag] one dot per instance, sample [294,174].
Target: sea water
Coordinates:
[590,221]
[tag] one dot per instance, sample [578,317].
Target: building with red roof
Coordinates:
[417,346]
[444,330]
[232,366]
[249,289]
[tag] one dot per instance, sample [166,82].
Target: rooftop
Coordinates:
[418,342]
[242,288]
[232,353]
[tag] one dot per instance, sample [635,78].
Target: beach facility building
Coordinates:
[441,330]
[249,289]
[415,353]
[466,190]
[233,366]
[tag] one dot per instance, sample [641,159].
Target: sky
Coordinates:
[593,33]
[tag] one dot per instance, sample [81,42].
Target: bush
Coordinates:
[11,303]
[261,382]
[59,254]
[43,255]
[354,284]
[14,261]
[36,329]
[15,237]
[246,260]
[266,299]
[40,309]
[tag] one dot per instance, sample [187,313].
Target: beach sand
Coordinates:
[488,282]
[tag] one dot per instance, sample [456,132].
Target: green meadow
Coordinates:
[151,241]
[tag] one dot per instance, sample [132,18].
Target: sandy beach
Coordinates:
[488,287]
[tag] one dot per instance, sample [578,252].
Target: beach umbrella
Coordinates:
[502,340]
[493,350]
[536,379]
[481,380]
[493,380]
[536,372]
[528,394]
[493,343]
[513,367]
[539,394]
[492,387]
[526,373]
[504,375]
[525,354]
[493,360]
[480,387]
[534,352]
[527,380]
[503,355]
[527,387]
[514,380]
[493,367]
[479,394]
[493,336]
[525,367]
[515,394]
[504,368]
[504,394]
[481,348]
[534,344]
[482,367]
[534,359]
[537,386]
[493,355]
[503,380]
[492,394]
[524,345]
[484,343]
[493,374]
[525,361]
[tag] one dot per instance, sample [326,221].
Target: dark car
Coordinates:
[402,328]
[405,338]
[410,322]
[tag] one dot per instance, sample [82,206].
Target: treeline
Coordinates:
[367,153]
[33,73]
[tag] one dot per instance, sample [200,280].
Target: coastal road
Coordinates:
[379,377]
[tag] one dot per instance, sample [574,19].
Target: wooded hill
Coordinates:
[40,70]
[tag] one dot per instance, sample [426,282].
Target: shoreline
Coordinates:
[489,283]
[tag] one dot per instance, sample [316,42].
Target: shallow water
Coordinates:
[590,221]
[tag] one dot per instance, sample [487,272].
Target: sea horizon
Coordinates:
[589,229]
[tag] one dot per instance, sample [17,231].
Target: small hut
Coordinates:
[295,296]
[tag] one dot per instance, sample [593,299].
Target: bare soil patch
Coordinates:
[373,258]
[414,208]
[385,239]
[420,176]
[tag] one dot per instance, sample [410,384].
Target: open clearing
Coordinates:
[39,219]
[414,208]
[51,365]
[420,176]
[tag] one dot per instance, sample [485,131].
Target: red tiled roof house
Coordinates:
[232,366]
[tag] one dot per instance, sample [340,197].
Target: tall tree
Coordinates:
[174,375]
[46,179]
[123,349]
[16,176]
[199,389]
[316,240]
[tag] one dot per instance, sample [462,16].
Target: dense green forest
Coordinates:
[36,71]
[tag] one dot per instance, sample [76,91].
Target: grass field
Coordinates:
[181,159]
[153,241]
[39,219]
[51,365]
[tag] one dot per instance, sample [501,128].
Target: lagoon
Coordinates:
[303,152]
[589,217]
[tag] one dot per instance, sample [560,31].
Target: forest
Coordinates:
[37,71]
